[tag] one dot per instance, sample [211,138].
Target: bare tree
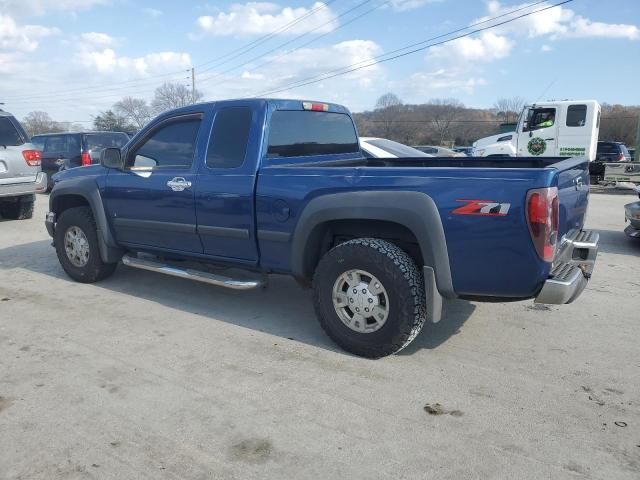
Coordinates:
[387,108]
[40,122]
[444,112]
[509,108]
[134,110]
[111,122]
[173,95]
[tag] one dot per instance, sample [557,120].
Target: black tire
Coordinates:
[20,208]
[404,284]
[95,269]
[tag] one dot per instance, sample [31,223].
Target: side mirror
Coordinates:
[111,158]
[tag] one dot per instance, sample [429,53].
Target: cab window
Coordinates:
[540,118]
[172,145]
[576,115]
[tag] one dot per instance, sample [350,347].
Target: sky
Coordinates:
[75,58]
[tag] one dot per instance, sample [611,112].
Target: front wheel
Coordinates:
[369,297]
[76,241]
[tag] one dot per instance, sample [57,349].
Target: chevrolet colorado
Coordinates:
[281,187]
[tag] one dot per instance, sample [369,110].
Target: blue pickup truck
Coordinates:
[281,187]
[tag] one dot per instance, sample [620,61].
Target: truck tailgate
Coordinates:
[573,189]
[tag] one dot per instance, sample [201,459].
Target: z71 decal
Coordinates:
[488,208]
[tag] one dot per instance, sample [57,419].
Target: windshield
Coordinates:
[395,148]
[98,141]
[9,134]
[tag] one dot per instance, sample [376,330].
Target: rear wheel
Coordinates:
[369,297]
[76,241]
[17,208]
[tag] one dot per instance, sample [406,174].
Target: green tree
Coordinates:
[112,122]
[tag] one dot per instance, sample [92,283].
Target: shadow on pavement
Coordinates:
[284,308]
[615,241]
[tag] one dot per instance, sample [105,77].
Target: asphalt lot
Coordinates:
[147,376]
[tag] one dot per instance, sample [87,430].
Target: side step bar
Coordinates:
[191,274]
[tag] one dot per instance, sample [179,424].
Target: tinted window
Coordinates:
[38,142]
[9,135]
[229,137]
[576,115]
[607,148]
[99,141]
[64,144]
[540,118]
[170,146]
[301,133]
[397,149]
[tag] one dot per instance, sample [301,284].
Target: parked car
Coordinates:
[468,151]
[632,215]
[607,152]
[438,151]
[20,173]
[61,151]
[281,186]
[373,147]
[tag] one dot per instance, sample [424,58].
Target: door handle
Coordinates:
[178,184]
[549,138]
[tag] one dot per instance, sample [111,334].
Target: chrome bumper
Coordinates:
[16,189]
[571,270]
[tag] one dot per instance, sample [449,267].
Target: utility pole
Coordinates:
[193,85]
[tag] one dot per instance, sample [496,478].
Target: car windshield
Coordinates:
[99,141]
[9,134]
[395,148]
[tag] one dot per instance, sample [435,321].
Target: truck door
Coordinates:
[225,202]
[539,133]
[151,201]
[578,133]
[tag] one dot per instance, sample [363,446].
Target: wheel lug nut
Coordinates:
[355,291]
[366,309]
[377,285]
[364,290]
[351,300]
[371,300]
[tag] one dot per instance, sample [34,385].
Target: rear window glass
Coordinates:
[99,141]
[576,115]
[228,143]
[38,142]
[66,144]
[9,135]
[397,149]
[608,148]
[303,133]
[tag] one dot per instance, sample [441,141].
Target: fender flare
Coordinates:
[414,210]
[110,252]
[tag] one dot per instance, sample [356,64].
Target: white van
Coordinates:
[548,129]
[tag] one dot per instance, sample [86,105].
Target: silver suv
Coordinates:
[20,173]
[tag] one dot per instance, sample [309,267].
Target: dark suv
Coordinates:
[61,151]
[608,152]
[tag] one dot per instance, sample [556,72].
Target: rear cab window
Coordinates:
[300,133]
[100,141]
[10,135]
[576,115]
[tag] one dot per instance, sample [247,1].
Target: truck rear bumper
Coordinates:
[632,214]
[17,189]
[571,271]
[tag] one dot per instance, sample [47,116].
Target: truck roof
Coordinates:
[564,102]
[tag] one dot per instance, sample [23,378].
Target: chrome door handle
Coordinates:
[178,184]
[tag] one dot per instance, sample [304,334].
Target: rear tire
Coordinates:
[77,247]
[396,286]
[20,208]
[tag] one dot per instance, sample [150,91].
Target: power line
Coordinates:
[147,80]
[256,43]
[206,79]
[375,61]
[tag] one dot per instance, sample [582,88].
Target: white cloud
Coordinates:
[546,48]
[257,18]
[403,5]
[41,7]
[432,84]
[107,61]
[21,38]
[152,12]
[486,47]
[97,38]
[561,22]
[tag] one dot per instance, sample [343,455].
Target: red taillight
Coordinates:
[543,217]
[315,107]
[86,159]
[32,157]
[621,157]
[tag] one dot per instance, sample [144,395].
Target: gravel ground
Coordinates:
[147,376]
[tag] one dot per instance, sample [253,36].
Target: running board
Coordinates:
[191,274]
